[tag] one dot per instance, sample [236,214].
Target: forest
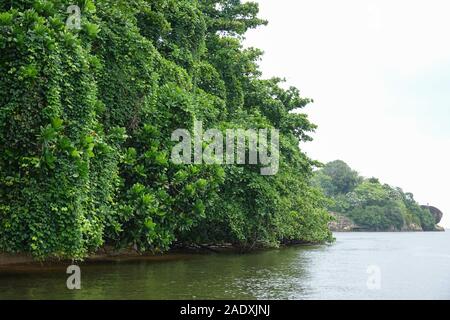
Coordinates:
[86,116]
[369,203]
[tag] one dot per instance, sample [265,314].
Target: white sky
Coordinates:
[379,73]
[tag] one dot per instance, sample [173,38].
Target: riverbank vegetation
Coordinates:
[370,204]
[86,117]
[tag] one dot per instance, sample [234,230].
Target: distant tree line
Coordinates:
[367,202]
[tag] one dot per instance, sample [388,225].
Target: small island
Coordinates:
[360,204]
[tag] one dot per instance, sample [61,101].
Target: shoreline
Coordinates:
[25,262]
[9,261]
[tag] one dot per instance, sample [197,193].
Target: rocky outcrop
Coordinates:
[412,227]
[437,215]
[435,212]
[341,223]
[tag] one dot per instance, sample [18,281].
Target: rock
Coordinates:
[341,223]
[412,227]
[435,212]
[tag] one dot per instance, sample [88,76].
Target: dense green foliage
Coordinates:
[369,203]
[85,130]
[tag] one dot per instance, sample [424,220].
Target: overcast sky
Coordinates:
[379,73]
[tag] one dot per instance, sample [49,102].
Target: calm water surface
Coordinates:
[410,265]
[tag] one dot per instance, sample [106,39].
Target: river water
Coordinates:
[356,266]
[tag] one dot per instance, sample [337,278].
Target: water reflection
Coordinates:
[274,274]
[313,272]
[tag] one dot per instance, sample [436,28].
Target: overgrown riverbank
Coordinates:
[88,115]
